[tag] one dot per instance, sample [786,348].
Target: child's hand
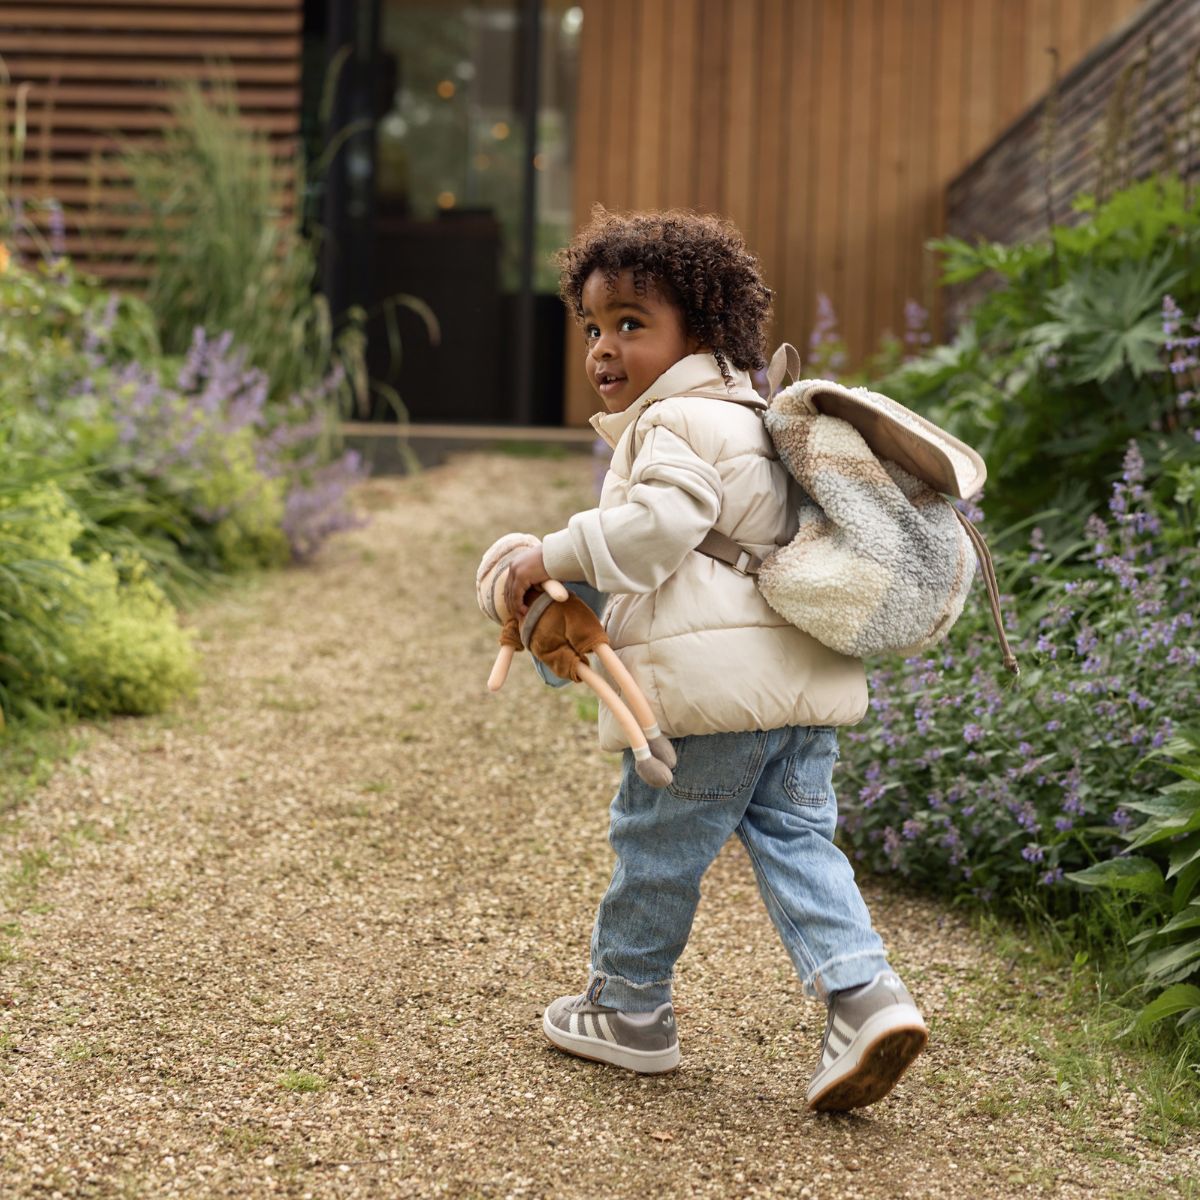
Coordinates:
[526,570]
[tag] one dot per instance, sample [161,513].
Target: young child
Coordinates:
[674,311]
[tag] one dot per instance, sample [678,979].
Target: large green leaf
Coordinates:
[1173,963]
[1179,998]
[1123,874]
[1175,811]
[1188,919]
[1104,318]
[1184,854]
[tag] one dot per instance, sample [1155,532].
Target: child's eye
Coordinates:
[591,332]
[629,324]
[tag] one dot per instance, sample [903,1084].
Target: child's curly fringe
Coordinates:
[698,262]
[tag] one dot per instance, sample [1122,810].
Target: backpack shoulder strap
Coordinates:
[724,549]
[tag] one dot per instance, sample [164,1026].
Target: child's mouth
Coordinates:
[608,382]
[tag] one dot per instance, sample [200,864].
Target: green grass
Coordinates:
[302,1081]
[1076,1022]
[28,758]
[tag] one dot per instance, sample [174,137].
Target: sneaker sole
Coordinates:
[878,1067]
[644,1062]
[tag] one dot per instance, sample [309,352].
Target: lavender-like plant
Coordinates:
[972,787]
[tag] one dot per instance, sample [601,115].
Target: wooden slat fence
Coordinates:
[828,130]
[96,74]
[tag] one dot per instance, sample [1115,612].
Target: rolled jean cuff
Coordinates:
[845,971]
[615,991]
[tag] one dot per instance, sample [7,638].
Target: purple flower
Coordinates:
[972,733]
[970,508]
[315,511]
[916,327]
[1033,853]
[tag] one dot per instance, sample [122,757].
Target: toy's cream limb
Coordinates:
[649,768]
[500,669]
[555,590]
[659,746]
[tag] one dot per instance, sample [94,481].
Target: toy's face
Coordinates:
[633,336]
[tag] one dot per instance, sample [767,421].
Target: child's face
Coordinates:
[632,339]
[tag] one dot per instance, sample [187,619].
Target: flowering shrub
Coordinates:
[236,469]
[127,471]
[975,788]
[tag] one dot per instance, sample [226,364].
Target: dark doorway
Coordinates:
[449,190]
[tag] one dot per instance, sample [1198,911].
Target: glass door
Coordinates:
[472,196]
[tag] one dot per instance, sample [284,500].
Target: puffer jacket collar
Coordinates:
[695,373]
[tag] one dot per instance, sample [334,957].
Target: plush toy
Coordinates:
[561,631]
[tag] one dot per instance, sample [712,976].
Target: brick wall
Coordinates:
[1153,63]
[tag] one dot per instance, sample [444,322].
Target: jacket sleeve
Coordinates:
[674,500]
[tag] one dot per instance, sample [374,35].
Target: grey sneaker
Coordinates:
[872,1034]
[642,1042]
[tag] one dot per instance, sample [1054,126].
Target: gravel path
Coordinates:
[295,938]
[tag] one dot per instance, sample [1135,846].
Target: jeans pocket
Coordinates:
[808,776]
[717,766]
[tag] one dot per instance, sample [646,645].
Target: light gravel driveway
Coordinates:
[295,938]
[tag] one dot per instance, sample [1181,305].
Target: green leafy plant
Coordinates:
[1066,357]
[1165,878]
[1106,318]
[227,256]
[85,634]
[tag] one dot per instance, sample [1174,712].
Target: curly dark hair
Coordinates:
[696,261]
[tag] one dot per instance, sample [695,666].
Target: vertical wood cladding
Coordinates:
[828,130]
[95,73]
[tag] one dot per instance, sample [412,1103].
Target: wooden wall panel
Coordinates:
[828,130]
[95,73]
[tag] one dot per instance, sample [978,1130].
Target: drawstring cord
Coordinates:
[993,589]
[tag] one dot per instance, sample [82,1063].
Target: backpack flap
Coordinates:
[894,433]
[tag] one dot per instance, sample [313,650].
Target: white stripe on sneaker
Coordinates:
[845,1030]
[575,1023]
[605,1028]
[836,1042]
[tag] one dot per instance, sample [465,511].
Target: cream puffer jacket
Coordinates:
[707,650]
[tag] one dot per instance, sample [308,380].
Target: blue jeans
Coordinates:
[772,788]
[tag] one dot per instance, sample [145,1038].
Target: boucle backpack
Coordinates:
[882,561]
